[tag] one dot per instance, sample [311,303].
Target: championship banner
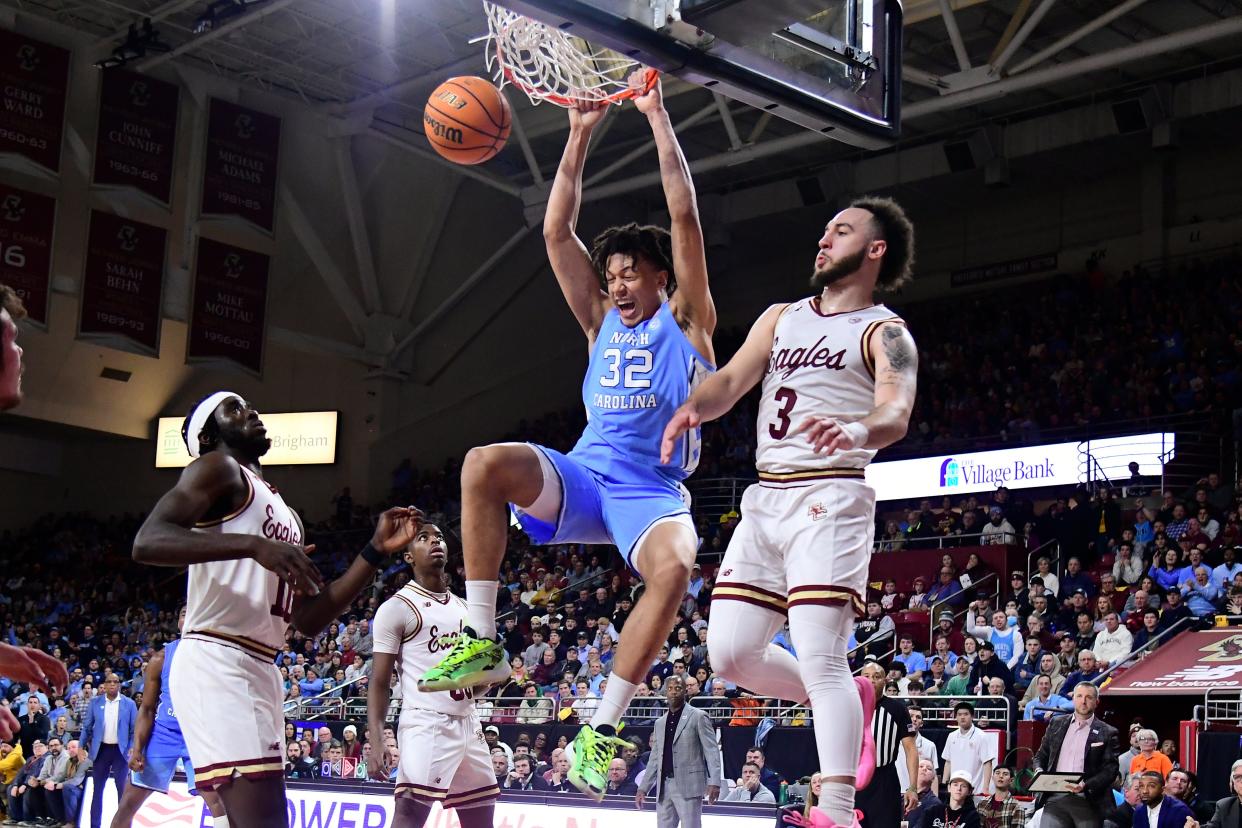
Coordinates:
[239,176]
[137,133]
[228,312]
[123,282]
[27,227]
[34,82]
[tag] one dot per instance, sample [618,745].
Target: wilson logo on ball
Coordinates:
[439,130]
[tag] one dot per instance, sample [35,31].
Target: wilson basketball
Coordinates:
[467,120]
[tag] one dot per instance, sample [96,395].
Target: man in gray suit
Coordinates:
[685,764]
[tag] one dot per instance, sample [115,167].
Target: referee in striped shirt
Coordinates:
[882,802]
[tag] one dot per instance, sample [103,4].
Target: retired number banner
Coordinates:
[228,313]
[34,82]
[27,226]
[239,176]
[137,133]
[123,281]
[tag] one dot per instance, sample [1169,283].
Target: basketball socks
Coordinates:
[481,607]
[220,821]
[836,799]
[617,696]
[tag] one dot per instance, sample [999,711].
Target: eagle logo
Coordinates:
[1227,649]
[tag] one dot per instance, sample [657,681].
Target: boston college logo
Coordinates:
[28,58]
[244,126]
[817,511]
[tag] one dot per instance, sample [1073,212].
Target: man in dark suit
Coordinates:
[1228,810]
[107,734]
[685,763]
[1079,743]
[1158,810]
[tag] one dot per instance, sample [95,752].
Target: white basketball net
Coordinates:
[550,65]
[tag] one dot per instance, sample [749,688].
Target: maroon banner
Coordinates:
[27,226]
[239,177]
[228,313]
[137,133]
[123,281]
[34,82]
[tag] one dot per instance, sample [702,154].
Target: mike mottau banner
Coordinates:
[123,282]
[34,82]
[27,228]
[137,133]
[239,175]
[228,313]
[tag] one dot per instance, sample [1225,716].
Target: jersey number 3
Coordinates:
[787,397]
[637,368]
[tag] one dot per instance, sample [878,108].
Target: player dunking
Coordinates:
[443,756]
[838,375]
[648,347]
[249,578]
[158,744]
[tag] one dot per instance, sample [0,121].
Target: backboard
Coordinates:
[833,66]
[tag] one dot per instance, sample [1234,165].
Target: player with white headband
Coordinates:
[250,577]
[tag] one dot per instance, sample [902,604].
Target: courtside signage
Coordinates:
[301,439]
[1028,467]
[352,808]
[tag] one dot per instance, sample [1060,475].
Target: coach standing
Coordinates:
[108,733]
[1080,743]
[685,764]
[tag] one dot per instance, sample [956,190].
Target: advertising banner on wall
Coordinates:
[239,174]
[34,84]
[123,282]
[137,133]
[27,228]
[300,438]
[229,309]
[1191,664]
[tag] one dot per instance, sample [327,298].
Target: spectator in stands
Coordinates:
[767,776]
[890,599]
[969,750]
[19,788]
[749,789]
[1088,670]
[943,648]
[1114,643]
[534,709]
[1027,668]
[1109,592]
[936,677]
[1166,571]
[970,650]
[1080,743]
[1004,635]
[1084,631]
[34,725]
[1001,810]
[1046,703]
[874,632]
[998,530]
[946,591]
[619,783]
[1067,654]
[523,777]
[1129,566]
[1141,600]
[1159,810]
[1229,809]
[1036,628]
[959,683]
[1051,584]
[1123,815]
[298,766]
[891,539]
[1175,611]
[988,666]
[926,793]
[925,748]
[65,791]
[1150,758]
[1227,570]
[1184,785]
[915,662]
[1203,598]
[958,809]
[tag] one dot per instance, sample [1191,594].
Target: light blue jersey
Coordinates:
[165,718]
[636,379]
[166,748]
[614,488]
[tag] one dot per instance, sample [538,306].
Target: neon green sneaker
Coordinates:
[470,662]
[589,755]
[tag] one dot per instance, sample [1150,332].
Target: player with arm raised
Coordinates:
[249,577]
[649,334]
[838,373]
[443,755]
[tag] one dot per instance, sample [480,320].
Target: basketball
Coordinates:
[467,120]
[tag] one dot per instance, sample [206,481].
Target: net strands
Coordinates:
[550,65]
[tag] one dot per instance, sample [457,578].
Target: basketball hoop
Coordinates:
[551,65]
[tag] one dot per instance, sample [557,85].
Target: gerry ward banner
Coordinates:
[27,225]
[239,176]
[229,309]
[137,133]
[123,282]
[34,82]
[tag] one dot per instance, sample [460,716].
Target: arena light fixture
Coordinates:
[221,10]
[138,42]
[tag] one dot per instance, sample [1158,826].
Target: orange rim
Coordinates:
[652,77]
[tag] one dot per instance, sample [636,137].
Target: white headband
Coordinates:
[198,419]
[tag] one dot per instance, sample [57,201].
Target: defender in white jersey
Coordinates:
[838,374]
[249,578]
[443,756]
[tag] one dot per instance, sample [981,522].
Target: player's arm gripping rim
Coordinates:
[379,693]
[896,378]
[145,722]
[721,391]
[568,255]
[692,303]
[167,537]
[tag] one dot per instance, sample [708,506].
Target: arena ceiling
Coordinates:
[966,62]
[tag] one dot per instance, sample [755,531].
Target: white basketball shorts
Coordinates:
[444,759]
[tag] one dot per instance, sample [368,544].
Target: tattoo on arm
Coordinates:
[896,349]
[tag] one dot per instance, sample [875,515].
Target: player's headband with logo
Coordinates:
[199,415]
